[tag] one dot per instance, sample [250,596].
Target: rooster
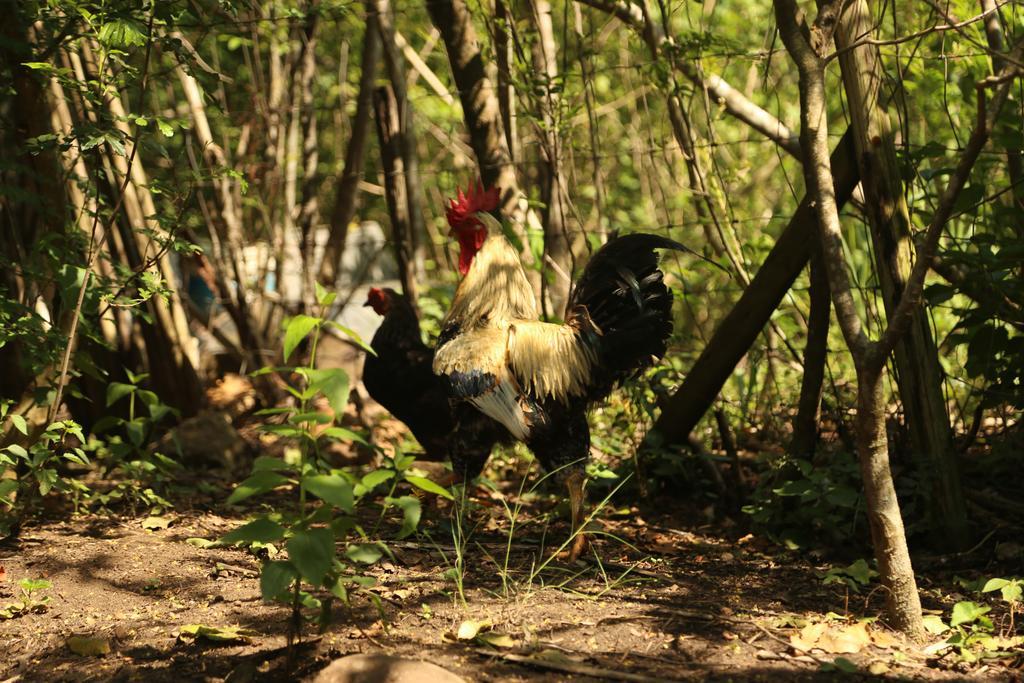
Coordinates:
[400,378]
[538,379]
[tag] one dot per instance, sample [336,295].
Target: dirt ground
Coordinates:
[694,603]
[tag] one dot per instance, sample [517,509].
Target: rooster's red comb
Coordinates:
[466,204]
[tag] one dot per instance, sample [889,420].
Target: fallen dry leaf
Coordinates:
[834,639]
[878,667]
[469,629]
[883,639]
[88,646]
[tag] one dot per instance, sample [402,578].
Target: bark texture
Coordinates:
[918,372]
[883,512]
[344,207]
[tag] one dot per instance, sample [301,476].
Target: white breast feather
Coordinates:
[502,404]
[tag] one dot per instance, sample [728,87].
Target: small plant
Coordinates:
[311,530]
[854,576]
[28,602]
[38,463]
[124,448]
[971,631]
[130,436]
[803,505]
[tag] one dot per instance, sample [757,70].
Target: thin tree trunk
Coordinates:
[389,133]
[308,207]
[483,121]
[557,246]
[395,65]
[228,229]
[916,356]
[739,329]
[807,48]
[505,56]
[348,183]
[805,425]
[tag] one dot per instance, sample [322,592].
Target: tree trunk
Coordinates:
[389,132]
[557,245]
[736,333]
[505,57]
[903,605]
[483,121]
[228,229]
[395,64]
[888,537]
[805,425]
[308,208]
[348,183]
[918,373]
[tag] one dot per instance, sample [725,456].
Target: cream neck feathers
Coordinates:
[495,290]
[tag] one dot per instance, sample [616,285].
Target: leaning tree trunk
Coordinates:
[739,329]
[918,373]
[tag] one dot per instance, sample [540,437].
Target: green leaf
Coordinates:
[33,585]
[19,423]
[861,572]
[136,430]
[333,488]
[933,624]
[17,451]
[376,478]
[429,486]
[967,612]
[7,487]
[165,128]
[118,390]
[323,296]
[364,553]
[259,530]
[352,335]
[994,585]
[122,33]
[297,329]
[333,384]
[339,591]
[343,434]
[1013,591]
[411,511]
[265,463]
[312,553]
[259,482]
[275,579]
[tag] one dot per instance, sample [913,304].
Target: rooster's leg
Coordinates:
[575,482]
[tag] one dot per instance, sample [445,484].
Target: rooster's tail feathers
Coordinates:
[622,308]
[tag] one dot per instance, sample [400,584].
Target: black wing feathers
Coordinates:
[622,307]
